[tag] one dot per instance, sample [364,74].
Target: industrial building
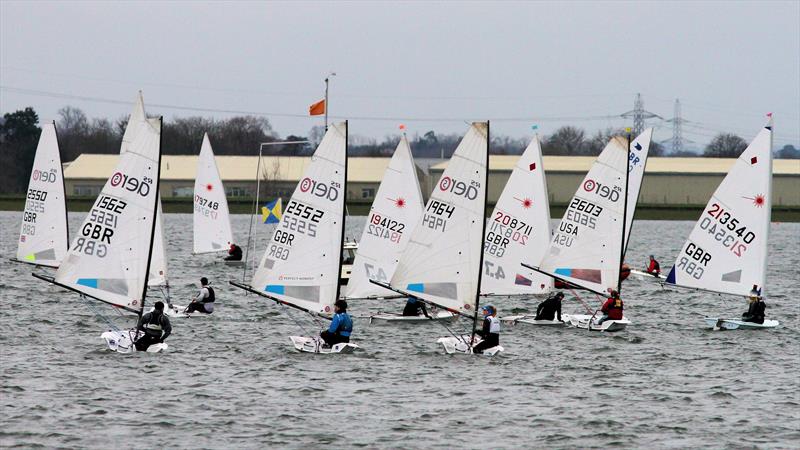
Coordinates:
[669,182]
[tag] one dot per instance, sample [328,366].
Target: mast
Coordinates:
[344,210]
[483,237]
[769,205]
[155,211]
[253,215]
[624,213]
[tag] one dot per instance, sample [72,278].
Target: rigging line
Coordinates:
[97,313]
[291,316]
[301,116]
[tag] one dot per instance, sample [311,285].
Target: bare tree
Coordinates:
[725,145]
[566,140]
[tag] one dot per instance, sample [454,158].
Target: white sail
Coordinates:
[158,264]
[393,215]
[636,166]
[441,263]
[727,249]
[212,223]
[519,230]
[301,264]
[585,249]
[109,257]
[44,235]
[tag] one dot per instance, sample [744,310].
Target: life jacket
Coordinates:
[345,326]
[615,309]
[211,297]
[153,326]
[654,267]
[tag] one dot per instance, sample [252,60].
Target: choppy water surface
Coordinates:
[233,380]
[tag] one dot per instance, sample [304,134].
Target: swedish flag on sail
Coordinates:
[271,213]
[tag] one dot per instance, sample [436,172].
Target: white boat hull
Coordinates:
[177,311]
[454,345]
[738,324]
[316,345]
[641,275]
[529,320]
[122,342]
[393,317]
[584,321]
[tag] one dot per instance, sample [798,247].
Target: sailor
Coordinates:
[653,268]
[204,301]
[491,330]
[414,306]
[341,325]
[550,308]
[612,308]
[156,327]
[756,307]
[234,253]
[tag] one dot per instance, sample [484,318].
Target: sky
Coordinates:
[426,65]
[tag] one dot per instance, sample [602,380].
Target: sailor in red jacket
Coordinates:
[653,268]
[612,308]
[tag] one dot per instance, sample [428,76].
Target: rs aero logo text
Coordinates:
[611,193]
[470,191]
[132,184]
[320,189]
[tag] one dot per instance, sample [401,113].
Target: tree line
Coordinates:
[242,135]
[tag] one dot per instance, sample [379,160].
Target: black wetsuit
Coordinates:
[235,254]
[205,305]
[490,334]
[156,329]
[755,313]
[414,306]
[549,309]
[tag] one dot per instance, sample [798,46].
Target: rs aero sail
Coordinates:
[301,265]
[726,252]
[44,235]
[442,262]
[588,247]
[109,261]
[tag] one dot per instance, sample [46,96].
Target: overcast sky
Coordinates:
[427,65]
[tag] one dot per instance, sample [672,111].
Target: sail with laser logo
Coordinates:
[212,223]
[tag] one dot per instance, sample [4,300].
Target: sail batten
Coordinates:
[727,249]
[393,214]
[44,234]
[211,219]
[301,265]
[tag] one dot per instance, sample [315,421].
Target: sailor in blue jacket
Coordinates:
[341,325]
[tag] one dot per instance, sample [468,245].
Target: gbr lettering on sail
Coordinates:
[438,213]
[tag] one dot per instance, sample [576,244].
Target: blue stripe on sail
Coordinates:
[565,272]
[416,287]
[671,276]
[88,282]
[275,289]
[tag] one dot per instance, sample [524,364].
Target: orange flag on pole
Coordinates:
[317,109]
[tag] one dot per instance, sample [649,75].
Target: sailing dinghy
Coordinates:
[395,211]
[442,261]
[302,263]
[726,252]
[44,234]
[588,247]
[109,261]
[212,222]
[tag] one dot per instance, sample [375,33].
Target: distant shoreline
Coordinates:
[245,205]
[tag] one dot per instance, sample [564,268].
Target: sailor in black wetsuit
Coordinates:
[491,330]
[757,307]
[156,327]
[550,308]
[414,306]
[204,301]
[234,253]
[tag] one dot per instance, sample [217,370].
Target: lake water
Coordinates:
[233,380]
